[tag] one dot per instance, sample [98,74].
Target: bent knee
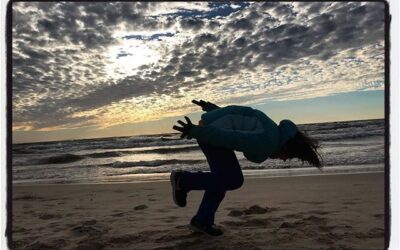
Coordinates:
[235,183]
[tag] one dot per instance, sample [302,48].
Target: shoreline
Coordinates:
[248,173]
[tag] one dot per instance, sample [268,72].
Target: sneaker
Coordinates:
[195,225]
[178,193]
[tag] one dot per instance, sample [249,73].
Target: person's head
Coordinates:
[303,147]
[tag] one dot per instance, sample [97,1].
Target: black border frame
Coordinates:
[387,20]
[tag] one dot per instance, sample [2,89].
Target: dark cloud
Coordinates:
[205,38]
[128,87]
[151,37]
[240,24]
[59,62]
[192,23]
[285,10]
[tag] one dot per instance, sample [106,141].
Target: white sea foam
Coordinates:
[344,144]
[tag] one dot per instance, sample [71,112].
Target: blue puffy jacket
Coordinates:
[244,129]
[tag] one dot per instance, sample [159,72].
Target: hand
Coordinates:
[185,129]
[206,106]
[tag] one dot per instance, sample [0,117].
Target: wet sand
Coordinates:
[309,212]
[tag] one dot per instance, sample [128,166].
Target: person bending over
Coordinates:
[219,133]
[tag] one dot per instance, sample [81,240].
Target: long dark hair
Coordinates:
[303,147]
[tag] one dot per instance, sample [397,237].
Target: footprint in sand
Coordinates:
[315,219]
[287,225]
[140,207]
[49,216]
[19,230]
[27,198]
[373,233]
[118,214]
[171,219]
[235,213]
[248,223]
[319,212]
[326,228]
[85,230]
[295,216]
[256,209]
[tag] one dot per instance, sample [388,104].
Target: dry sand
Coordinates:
[314,212]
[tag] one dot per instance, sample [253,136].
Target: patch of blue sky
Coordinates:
[355,105]
[218,9]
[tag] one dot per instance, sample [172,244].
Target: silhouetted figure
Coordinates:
[219,133]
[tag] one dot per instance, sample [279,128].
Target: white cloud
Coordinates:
[73,66]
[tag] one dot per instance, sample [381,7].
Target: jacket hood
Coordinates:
[287,131]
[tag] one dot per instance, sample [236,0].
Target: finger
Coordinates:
[196,102]
[188,120]
[178,128]
[182,123]
[183,135]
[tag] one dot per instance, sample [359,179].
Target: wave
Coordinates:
[343,135]
[59,159]
[110,154]
[56,159]
[169,150]
[344,168]
[105,154]
[68,157]
[342,125]
[323,131]
[154,163]
[102,143]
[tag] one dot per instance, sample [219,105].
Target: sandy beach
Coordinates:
[310,212]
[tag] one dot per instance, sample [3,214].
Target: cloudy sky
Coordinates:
[84,70]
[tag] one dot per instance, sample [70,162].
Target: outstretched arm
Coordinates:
[206,106]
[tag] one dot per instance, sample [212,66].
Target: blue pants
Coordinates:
[225,175]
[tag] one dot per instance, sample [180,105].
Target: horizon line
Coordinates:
[91,138]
